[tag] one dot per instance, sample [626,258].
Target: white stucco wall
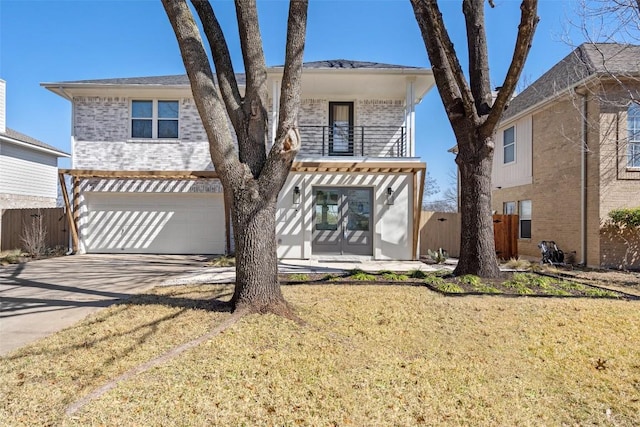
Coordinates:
[393,224]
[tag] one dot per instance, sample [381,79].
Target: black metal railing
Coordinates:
[352,141]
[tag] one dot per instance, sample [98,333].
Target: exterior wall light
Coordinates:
[390,196]
[296,195]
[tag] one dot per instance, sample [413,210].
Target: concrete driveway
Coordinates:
[41,297]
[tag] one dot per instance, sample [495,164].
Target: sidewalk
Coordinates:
[308,266]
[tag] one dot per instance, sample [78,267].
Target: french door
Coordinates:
[342,221]
[341,128]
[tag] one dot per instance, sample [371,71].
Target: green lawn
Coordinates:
[368,355]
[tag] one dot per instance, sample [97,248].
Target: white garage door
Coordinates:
[155,223]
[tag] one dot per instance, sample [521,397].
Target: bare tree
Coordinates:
[252,177]
[474,116]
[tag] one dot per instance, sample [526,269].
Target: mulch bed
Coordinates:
[530,284]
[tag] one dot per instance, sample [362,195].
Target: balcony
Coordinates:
[353,141]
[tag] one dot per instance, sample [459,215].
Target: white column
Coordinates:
[410,117]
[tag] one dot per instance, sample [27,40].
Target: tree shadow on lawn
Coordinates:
[214,302]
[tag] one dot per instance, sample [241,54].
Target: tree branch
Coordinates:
[478,57]
[205,93]
[287,140]
[528,21]
[222,60]
[251,43]
[451,83]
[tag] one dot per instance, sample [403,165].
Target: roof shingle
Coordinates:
[589,59]
[13,134]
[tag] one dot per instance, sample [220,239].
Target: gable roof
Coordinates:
[183,80]
[14,135]
[587,61]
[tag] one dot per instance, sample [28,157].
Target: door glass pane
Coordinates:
[340,128]
[326,207]
[358,210]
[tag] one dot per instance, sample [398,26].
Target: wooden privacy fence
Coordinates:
[443,229]
[14,221]
[505,233]
[440,230]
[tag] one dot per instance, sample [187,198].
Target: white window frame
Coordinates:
[505,145]
[633,142]
[509,208]
[154,119]
[524,216]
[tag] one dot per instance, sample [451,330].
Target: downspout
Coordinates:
[583,181]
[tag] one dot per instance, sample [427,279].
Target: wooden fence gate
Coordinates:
[14,221]
[505,234]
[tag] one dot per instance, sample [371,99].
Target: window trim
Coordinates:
[513,143]
[155,120]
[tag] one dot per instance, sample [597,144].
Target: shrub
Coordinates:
[438,256]
[33,236]
[417,274]
[394,277]
[358,274]
[518,264]
[469,279]
[223,261]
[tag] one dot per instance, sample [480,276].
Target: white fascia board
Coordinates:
[9,140]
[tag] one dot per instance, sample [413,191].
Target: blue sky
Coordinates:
[52,40]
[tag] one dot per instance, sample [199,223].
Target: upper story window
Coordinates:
[509,145]
[633,145]
[154,119]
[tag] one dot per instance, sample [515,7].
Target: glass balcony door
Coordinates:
[341,128]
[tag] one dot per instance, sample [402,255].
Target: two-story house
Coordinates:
[144,181]
[568,152]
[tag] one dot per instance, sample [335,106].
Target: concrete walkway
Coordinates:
[41,297]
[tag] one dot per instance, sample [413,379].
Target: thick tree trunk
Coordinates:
[257,288]
[477,245]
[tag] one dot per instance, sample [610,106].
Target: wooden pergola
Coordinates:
[417,169]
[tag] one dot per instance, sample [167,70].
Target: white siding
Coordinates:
[393,224]
[27,172]
[520,171]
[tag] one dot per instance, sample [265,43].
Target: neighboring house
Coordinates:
[145,183]
[568,152]
[28,167]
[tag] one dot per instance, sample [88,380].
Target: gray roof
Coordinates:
[183,80]
[589,59]
[13,134]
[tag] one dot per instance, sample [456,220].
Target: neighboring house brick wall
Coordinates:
[526,247]
[18,201]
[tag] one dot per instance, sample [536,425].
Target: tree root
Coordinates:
[279,308]
[79,404]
